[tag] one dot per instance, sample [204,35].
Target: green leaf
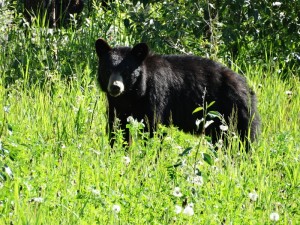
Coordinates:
[207,158]
[210,104]
[214,114]
[186,151]
[198,109]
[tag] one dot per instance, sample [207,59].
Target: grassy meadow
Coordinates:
[57,166]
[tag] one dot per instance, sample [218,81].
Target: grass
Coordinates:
[63,171]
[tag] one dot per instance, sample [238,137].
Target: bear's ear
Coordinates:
[140,51]
[102,47]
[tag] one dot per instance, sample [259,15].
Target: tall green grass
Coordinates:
[58,167]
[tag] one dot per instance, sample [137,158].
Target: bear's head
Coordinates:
[121,69]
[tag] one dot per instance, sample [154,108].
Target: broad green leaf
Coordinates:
[214,114]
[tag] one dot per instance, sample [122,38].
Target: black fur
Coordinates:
[168,88]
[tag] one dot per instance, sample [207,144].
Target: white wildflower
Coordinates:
[209,122]
[274,216]
[95,191]
[183,163]
[234,135]
[197,180]
[134,122]
[126,160]
[6,109]
[37,200]
[50,31]
[178,209]
[189,209]
[177,192]
[116,208]
[8,171]
[178,148]
[130,119]
[28,186]
[198,122]
[276,4]
[289,93]
[200,163]
[168,138]
[253,196]
[223,127]
[220,143]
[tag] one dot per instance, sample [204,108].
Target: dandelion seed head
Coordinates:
[288,93]
[253,196]
[223,127]
[116,208]
[177,192]
[95,191]
[37,200]
[197,180]
[6,109]
[189,210]
[178,209]
[276,4]
[126,160]
[274,216]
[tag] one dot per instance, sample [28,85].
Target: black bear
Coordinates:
[166,89]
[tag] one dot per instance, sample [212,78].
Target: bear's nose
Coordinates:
[116,88]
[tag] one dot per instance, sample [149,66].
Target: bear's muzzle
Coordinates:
[115,85]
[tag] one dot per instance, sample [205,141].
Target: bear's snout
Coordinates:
[115,85]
